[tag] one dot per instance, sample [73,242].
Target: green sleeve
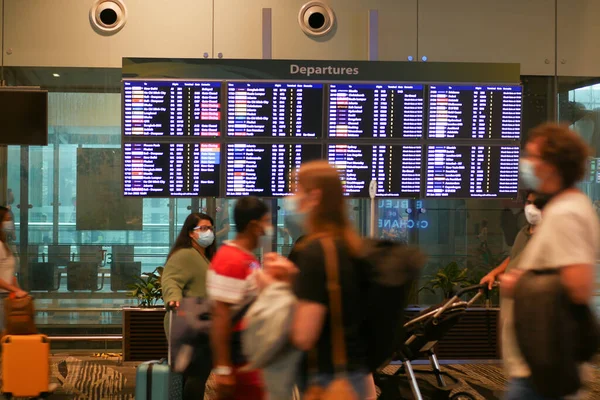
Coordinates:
[176,276]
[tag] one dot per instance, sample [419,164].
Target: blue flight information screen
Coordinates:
[266,169]
[397,168]
[263,109]
[171,108]
[472,171]
[171,169]
[475,112]
[376,111]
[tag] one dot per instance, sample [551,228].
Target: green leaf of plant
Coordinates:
[428,289]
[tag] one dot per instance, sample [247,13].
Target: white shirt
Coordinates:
[568,235]
[7,265]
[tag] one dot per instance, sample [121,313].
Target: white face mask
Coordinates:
[533,214]
[8,226]
[269,231]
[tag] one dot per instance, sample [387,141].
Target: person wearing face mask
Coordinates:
[319,205]
[232,286]
[534,216]
[567,243]
[8,281]
[185,276]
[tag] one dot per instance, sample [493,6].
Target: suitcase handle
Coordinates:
[169,339]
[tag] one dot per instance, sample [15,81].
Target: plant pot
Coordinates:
[143,333]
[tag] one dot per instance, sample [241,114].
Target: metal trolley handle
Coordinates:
[481,288]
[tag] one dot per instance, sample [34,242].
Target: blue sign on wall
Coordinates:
[397,217]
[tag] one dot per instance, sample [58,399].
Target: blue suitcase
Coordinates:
[154,380]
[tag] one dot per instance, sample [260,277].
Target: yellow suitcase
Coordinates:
[25,366]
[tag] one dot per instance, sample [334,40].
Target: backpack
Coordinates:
[554,335]
[266,342]
[190,333]
[390,269]
[19,316]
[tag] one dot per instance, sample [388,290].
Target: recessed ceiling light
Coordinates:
[56,75]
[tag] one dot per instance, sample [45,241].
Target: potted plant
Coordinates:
[147,288]
[475,334]
[143,332]
[447,279]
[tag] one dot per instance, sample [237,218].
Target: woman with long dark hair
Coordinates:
[185,276]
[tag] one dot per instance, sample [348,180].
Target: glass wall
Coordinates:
[579,106]
[60,237]
[474,234]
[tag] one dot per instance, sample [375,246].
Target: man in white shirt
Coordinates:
[566,239]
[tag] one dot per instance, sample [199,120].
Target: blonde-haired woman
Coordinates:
[319,204]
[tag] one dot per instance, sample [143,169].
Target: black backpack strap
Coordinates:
[239,315]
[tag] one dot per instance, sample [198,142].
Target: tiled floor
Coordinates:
[81,376]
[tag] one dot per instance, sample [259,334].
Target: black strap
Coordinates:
[149,382]
[239,315]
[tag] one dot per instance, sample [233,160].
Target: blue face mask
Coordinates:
[528,175]
[290,204]
[205,239]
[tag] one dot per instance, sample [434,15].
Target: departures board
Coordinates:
[194,138]
[472,171]
[171,169]
[475,112]
[171,109]
[397,168]
[266,169]
[262,109]
[376,111]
